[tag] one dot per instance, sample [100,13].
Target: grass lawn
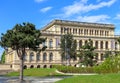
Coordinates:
[107,78]
[36,72]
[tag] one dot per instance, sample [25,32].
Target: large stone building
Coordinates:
[102,36]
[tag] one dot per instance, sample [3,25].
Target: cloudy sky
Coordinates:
[41,12]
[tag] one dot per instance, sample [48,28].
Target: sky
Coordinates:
[41,12]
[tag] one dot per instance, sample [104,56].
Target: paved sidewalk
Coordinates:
[76,73]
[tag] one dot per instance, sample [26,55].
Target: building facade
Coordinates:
[102,36]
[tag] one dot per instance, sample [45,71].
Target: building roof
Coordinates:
[77,23]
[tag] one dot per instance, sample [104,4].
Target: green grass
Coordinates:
[106,78]
[36,72]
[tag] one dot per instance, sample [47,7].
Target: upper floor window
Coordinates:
[102,57]
[31,56]
[61,29]
[38,56]
[70,30]
[86,42]
[96,44]
[85,32]
[44,43]
[50,43]
[101,44]
[106,45]
[80,43]
[73,31]
[51,57]
[25,57]
[44,57]
[76,31]
[81,31]
[115,45]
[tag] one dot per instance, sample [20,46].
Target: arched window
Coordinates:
[38,56]
[73,31]
[45,66]
[102,57]
[106,45]
[44,57]
[85,42]
[31,56]
[24,67]
[115,45]
[70,30]
[76,31]
[25,57]
[101,44]
[44,43]
[85,32]
[96,57]
[51,57]
[61,29]
[80,43]
[91,43]
[38,66]
[50,43]
[96,44]
[32,66]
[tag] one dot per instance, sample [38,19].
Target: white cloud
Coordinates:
[98,18]
[46,9]
[117,16]
[82,7]
[38,1]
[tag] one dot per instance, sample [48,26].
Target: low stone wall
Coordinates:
[5,67]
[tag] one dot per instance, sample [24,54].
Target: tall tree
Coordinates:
[19,38]
[68,48]
[3,57]
[87,54]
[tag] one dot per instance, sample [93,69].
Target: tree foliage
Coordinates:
[19,38]
[68,47]
[86,53]
[3,57]
[110,65]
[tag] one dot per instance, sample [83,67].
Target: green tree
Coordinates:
[19,38]
[3,57]
[68,48]
[86,53]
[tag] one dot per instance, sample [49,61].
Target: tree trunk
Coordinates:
[21,69]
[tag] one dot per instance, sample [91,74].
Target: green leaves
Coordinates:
[69,45]
[87,53]
[3,57]
[22,36]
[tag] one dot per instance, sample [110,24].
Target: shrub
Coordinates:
[71,69]
[110,65]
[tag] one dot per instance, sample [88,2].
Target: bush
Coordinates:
[71,69]
[3,58]
[110,65]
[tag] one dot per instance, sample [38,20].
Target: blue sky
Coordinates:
[41,12]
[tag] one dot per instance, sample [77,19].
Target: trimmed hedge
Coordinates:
[71,69]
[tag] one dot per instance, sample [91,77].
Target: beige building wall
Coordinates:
[102,36]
